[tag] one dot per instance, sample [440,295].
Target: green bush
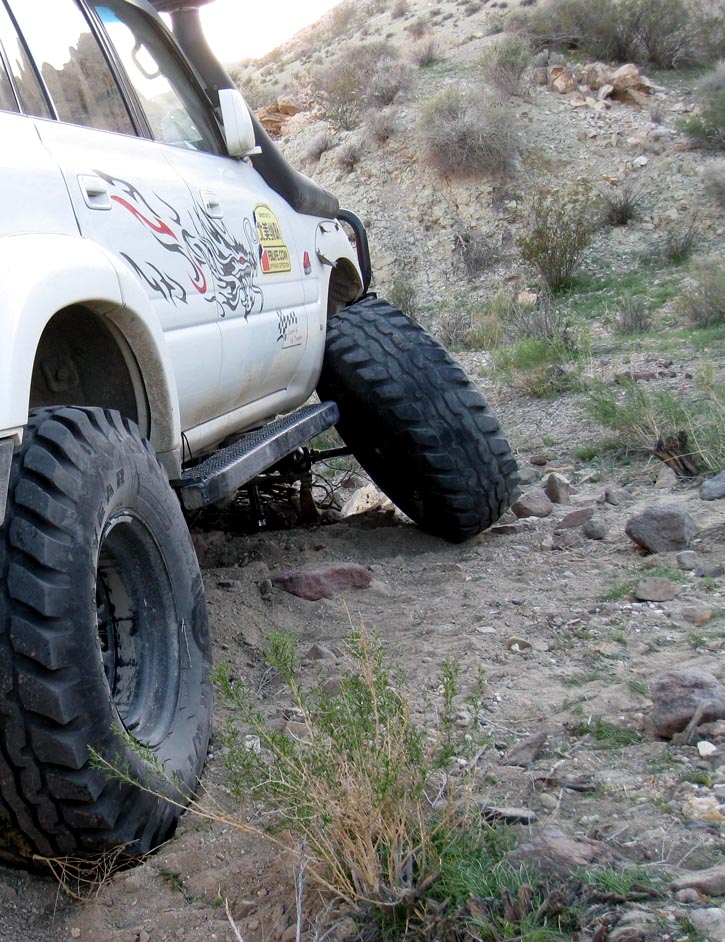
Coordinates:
[560,229]
[708,128]
[464,132]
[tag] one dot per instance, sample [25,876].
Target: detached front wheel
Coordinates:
[104,644]
[415,422]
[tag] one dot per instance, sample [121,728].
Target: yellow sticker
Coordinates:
[273,251]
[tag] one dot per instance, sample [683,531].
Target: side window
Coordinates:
[173,107]
[7,97]
[30,92]
[72,65]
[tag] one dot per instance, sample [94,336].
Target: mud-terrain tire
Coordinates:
[415,422]
[104,643]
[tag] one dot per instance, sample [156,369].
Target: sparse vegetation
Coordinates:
[381,124]
[425,52]
[632,316]
[399,9]
[560,229]
[622,204]
[319,145]
[402,294]
[349,154]
[465,133]
[473,251]
[667,33]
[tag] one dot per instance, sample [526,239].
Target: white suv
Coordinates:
[173,293]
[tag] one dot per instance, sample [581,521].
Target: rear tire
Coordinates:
[415,422]
[104,641]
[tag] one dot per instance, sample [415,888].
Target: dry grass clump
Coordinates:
[473,251]
[399,9]
[708,128]
[390,79]
[465,132]
[633,316]
[381,124]
[425,52]
[622,204]
[319,145]
[349,155]
[504,63]
[704,302]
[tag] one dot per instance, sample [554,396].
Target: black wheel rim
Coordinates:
[138,629]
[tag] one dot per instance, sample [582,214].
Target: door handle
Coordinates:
[95,192]
[212,204]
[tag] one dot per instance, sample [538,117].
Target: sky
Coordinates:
[241,29]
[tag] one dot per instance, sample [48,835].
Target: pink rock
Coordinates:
[324,581]
[553,850]
[676,696]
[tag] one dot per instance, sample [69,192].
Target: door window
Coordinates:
[73,66]
[174,109]
[30,92]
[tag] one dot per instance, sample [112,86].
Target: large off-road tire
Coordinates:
[104,643]
[415,422]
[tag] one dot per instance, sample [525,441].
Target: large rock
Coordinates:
[710,881]
[655,589]
[714,488]
[624,78]
[533,504]
[577,518]
[324,581]
[667,528]
[561,80]
[557,488]
[556,852]
[677,695]
[596,75]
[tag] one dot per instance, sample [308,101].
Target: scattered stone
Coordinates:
[710,571]
[319,652]
[677,695]
[697,613]
[509,529]
[518,645]
[687,560]
[366,498]
[710,881]
[564,539]
[713,488]
[656,589]
[666,478]
[663,529]
[508,815]
[525,752]
[533,504]
[548,802]
[640,161]
[577,518]
[616,496]
[539,460]
[554,851]
[324,581]
[558,489]
[528,474]
[706,749]
[709,922]
[595,530]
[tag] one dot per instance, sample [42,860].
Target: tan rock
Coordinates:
[605,91]
[285,106]
[561,80]
[626,76]
[596,75]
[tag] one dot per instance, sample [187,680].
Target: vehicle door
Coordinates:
[126,194]
[241,226]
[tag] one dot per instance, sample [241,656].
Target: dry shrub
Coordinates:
[399,9]
[667,33]
[466,132]
[418,28]
[713,179]
[381,124]
[622,204]
[345,87]
[504,63]
[402,294]
[633,316]
[473,251]
[708,128]
[704,302]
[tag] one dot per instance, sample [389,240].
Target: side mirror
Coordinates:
[238,127]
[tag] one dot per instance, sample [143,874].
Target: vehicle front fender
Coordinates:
[44,274]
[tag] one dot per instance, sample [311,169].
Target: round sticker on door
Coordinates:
[274,255]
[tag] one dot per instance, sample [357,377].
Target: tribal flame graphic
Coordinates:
[219,266]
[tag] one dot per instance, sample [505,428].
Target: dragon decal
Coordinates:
[219,265]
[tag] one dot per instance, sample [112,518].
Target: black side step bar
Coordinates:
[227,470]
